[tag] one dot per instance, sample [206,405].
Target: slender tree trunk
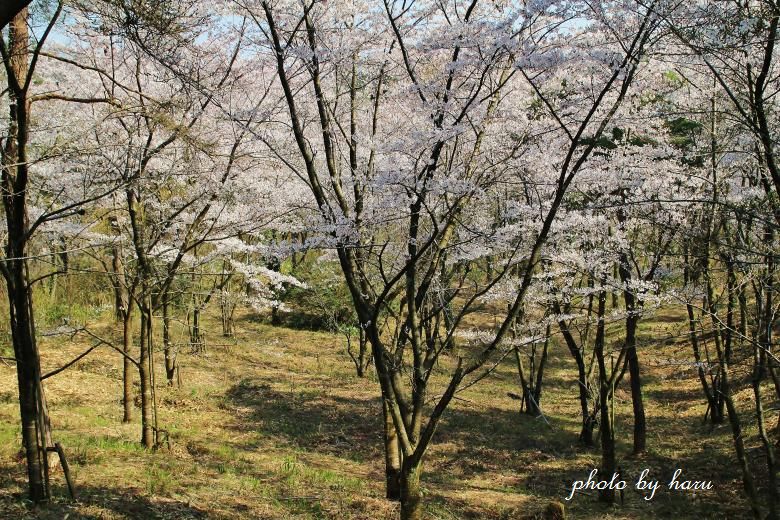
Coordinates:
[227,308]
[714,401]
[196,338]
[540,371]
[53,280]
[532,385]
[640,421]
[411,498]
[359,362]
[774,499]
[362,359]
[32,404]
[123,311]
[607,436]
[614,294]
[525,403]
[127,365]
[170,354]
[739,447]
[716,415]
[762,349]
[392,456]
[364,352]
[28,377]
[735,423]
[632,321]
[588,423]
[117,280]
[145,375]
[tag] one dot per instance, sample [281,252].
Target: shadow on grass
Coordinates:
[92,502]
[477,444]
[349,428]
[488,442]
[352,428]
[506,430]
[673,394]
[485,440]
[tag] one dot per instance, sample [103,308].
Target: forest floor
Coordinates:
[274,423]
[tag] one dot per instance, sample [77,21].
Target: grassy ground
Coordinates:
[274,424]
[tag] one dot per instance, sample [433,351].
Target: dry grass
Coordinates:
[278,426]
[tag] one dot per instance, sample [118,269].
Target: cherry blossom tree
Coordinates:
[455,67]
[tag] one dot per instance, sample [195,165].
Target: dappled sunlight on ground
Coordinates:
[274,424]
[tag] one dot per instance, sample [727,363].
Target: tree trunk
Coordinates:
[530,385]
[118,282]
[32,409]
[716,411]
[392,456]
[28,376]
[228,308]
[607,435]
[739,447]
[144,373]
[170,354]
[411,503]
[123,311]
[127,365]
[588,424]
[733,416]
[714,403]
[586,433]
[537,393]
[774,499]
[362,359]
[632,320]
[640,421]
[196,338]
[53,280]
[761,351]
[364,356]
